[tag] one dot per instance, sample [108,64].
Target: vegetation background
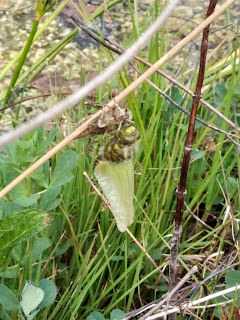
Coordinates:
[52,224]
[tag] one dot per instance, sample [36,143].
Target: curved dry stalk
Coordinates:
[112,69]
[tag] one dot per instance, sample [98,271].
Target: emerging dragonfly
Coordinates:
[115,174]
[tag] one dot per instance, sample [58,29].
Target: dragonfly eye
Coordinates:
[129,135]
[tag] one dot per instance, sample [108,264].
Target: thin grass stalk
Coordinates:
[40,10]
[21,61]
[173,268]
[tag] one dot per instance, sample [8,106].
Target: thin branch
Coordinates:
[111,70]
[205,103]
[197,218]
[32,98]
[97,191]
[109,19]
[147,255]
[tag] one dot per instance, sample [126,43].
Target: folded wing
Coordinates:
[117,183]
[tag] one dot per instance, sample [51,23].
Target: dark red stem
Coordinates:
[173,272]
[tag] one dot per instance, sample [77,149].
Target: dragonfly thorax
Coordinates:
[123,145]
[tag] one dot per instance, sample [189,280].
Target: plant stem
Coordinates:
[21,61]
[173,268]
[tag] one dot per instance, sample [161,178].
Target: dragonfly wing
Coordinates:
[117,183]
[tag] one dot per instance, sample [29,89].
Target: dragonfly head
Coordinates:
[128,135]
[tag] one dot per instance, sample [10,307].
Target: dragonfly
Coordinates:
[115,174]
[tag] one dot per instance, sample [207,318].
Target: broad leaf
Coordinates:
[52,134]
[7,208]
[11,272]
[18,227]
[9,174]
[11,151]
[156,254]
[38,174]
[50,292]
[4,159]
[62,248]
[7,299]
[117,314]
[25,201]
[26,152]
[48,198]
[44,180]
[95,315]
[64,165]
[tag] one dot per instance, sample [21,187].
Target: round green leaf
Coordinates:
[7,299]
[117,314]
[95,315]
[50,292]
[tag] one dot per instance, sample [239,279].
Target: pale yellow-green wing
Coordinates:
[117,183]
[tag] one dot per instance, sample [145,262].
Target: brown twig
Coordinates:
[127,230]
[109,19]
[31,98]
[173,268]
[96,190]
[197,218]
